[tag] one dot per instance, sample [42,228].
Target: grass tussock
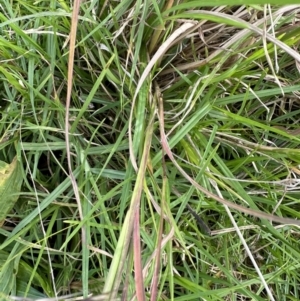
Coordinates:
[153,112]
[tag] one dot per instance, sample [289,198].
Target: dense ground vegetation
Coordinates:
[173,108]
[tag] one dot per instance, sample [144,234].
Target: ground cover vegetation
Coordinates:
[150,150]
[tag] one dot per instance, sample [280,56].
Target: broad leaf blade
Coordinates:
[10,186]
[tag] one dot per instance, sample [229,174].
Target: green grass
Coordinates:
[171,106]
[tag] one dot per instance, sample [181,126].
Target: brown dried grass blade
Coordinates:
[67,123]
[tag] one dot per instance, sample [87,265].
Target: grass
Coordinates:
[151,113]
